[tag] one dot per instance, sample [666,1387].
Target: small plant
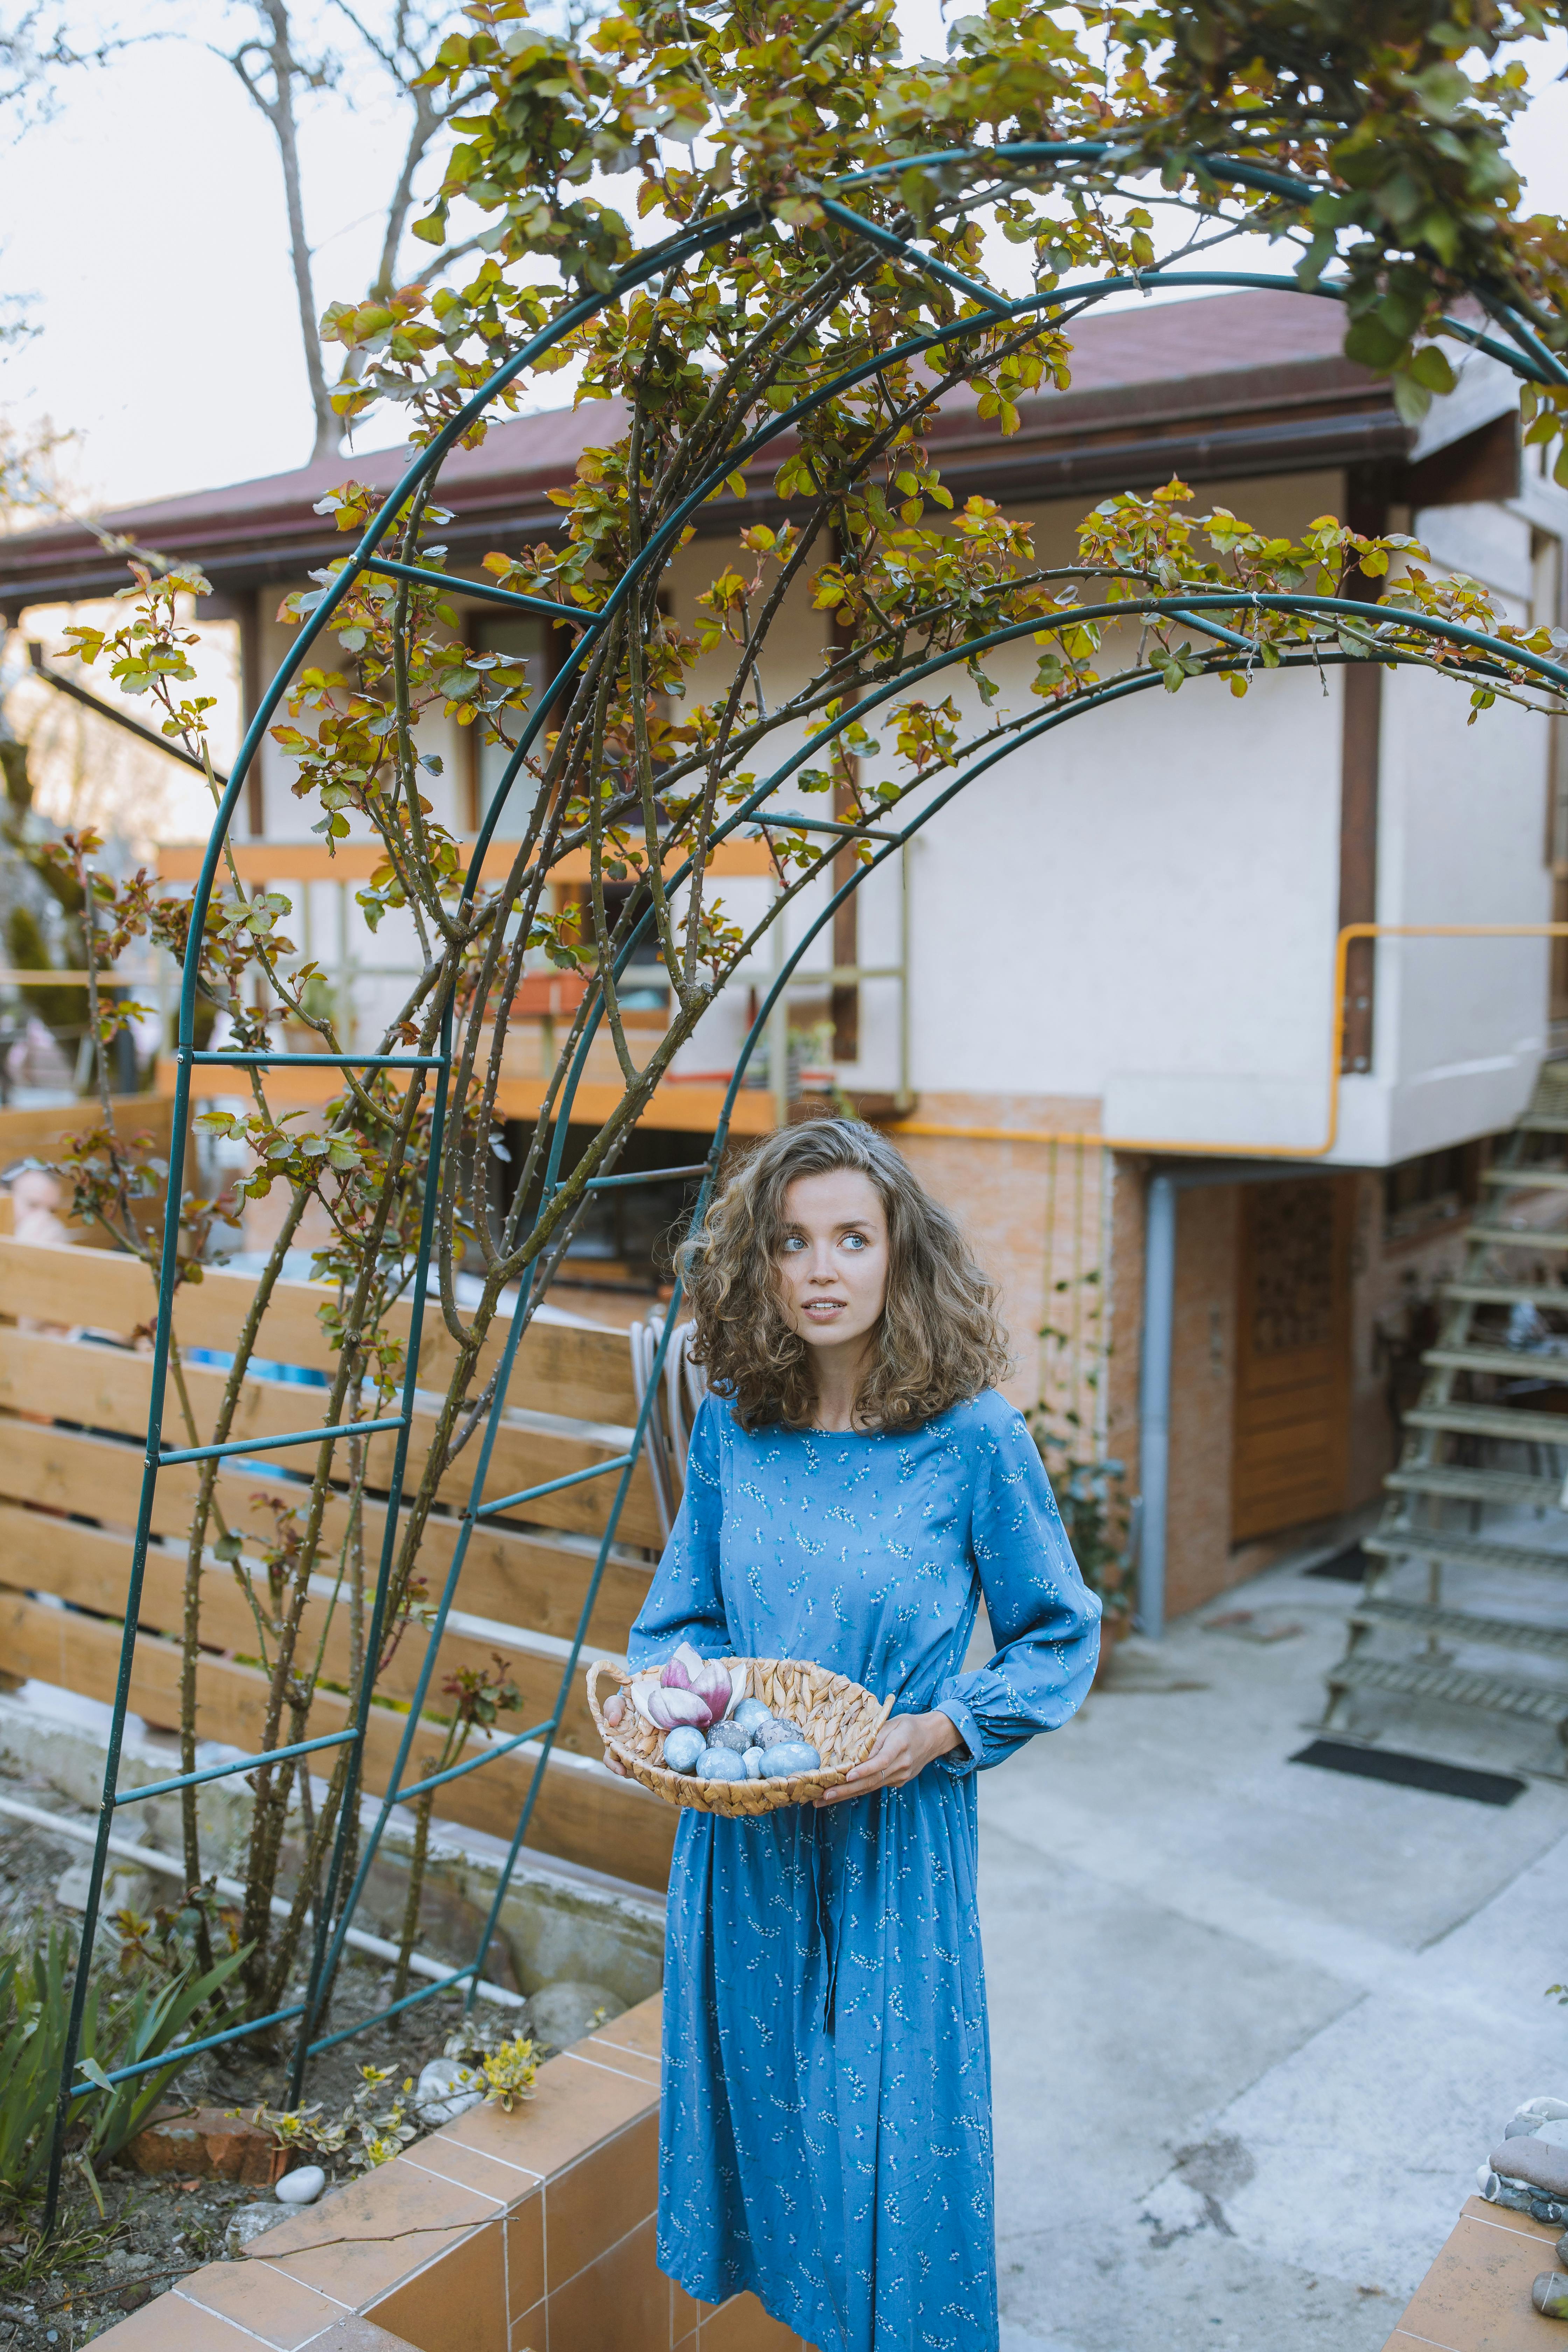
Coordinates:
[1091,1495]
[477,1696]
[122,2023]
[371,2130]
[508,2072]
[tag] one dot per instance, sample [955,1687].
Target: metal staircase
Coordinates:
[1466,1600]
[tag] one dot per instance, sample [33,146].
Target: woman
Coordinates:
[855,1486]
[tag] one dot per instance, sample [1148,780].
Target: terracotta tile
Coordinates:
[525,2253]
[361,2239]
[359,2336]
[596,2051]
[1476,2297]
[640,2029]
[457,2299]
[592,2206]
[619,2303]
[572,2110]
[169,2324]
[528,2333]
[268,2302]
[742,2325]
[450,2160]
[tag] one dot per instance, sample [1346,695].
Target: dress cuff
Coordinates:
[958,1761]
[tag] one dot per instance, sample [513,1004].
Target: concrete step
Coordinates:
[1463,1552]
[1459,1626]
[1455,1685]
[1508,1363]
[1491,1421]
[1543,1122]
[1526,1178]
[1516,1237]
[1450,1483]
[1506,1294]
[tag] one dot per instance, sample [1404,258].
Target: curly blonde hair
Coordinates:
[939,1341]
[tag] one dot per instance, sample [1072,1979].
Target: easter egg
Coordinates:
[788,1757]
[729,1735]
[750,1714]
[683,1746]
[721,1764]
[777,1728]
[753,1760]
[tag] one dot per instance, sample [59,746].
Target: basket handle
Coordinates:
[875,1732]
[598,1666]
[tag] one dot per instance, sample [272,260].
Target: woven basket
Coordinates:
[839,1718]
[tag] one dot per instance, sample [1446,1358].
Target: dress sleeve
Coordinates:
[1042,1613]
[685,1602]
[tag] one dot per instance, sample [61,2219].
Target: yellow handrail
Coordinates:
[1349,932]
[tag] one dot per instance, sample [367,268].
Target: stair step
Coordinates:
[1462,1550]
[1510,1363]
[1455,1685]
[1450,1483]
[1516,1237]
[1544,1122]
[1526,1178]
[1490,1420]
[1505,1294]
[1459,1626]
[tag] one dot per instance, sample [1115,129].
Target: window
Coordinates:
[520,640]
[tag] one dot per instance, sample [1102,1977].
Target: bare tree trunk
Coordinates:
[278,106]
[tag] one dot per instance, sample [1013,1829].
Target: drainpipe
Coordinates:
[1154,1399]
[1155,1372]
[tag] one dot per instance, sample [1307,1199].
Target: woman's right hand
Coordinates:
[623,1771]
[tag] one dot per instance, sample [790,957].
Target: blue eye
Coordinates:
[854,1241]
[791,1241]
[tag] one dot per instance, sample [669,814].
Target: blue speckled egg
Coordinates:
[721,1764]
[753,1760]
[788,1757]
[683,1746]
[750,1714]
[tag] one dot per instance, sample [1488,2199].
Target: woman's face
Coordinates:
[833,1259]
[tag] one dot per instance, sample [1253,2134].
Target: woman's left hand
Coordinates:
[905,1746]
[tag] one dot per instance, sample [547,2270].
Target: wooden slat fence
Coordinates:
[74,1396]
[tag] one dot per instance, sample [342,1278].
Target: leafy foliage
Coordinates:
[122,2023]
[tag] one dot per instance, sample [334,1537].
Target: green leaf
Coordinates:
[1429,365]
[1372,343]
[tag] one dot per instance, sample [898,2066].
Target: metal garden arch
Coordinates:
[1481,656]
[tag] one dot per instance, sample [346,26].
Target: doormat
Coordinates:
[1348,1567]
[1412,1771]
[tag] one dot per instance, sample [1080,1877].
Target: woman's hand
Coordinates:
[905,1746]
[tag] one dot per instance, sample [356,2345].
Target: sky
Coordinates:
[144,227]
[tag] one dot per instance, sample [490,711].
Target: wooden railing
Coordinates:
[74,1398]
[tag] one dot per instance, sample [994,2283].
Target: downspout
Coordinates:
[1154,1370]
[1155,1400]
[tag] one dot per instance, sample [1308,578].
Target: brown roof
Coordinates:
[1214,386]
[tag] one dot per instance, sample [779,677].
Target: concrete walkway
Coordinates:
[1253,2024]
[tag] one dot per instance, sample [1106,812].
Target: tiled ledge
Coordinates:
[527,2232]
[1476,2297]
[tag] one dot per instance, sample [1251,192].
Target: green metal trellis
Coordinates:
[1481,656]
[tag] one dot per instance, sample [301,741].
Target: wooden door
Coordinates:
[1291,1454]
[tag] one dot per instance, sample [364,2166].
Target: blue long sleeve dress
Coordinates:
[825,2135]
